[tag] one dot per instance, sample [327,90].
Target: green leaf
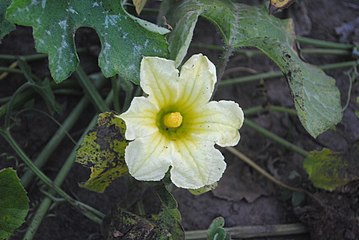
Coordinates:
[5,25]
[169,219]
[166,225]
[216,230]
[204,189]
[327,170]
[122,224]
[183,17]
[14,204]
[124,39]
[316,98]
[103,151]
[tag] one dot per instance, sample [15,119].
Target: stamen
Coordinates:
[172,120]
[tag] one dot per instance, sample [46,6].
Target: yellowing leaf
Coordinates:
[277,5]
[327,170]
[103,151]
[139,4]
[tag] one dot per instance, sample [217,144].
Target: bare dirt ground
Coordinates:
[243,196]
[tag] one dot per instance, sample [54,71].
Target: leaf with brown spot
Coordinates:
[166,225]
[103,151]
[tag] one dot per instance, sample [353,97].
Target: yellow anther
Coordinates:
[172,120]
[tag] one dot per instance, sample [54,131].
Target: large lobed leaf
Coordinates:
[14,204]
[124,39]
[103,151]
[316,98]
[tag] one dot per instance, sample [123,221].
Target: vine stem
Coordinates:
[46,202]
[116,93]
[88,211]
[321,43]
[274,74]
[275,138]
[91,90]
[55,140]
[255,52]
[253,231]
[259,169]
[12,66]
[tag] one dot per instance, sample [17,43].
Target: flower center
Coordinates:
[172,120]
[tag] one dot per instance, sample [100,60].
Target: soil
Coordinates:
[243,196]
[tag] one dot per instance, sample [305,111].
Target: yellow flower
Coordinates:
[177,126]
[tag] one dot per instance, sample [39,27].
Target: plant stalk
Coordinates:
[241,232]
[275,138]
[55,140]
[274,74]
[259,169]
[45,204]
[91,90]
[324,44]
[85,209]
[269,108]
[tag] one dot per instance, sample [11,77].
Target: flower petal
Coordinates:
[218,122]
[196,163]
[159,79]
[148,158]
[197,80]
[140,118]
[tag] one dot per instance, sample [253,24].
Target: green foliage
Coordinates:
[185,15]
[216,230]
[327,170]
[103,151]
[42,87]
[203,189]
[357,111]
[14,204]
[316,98]
[5,25]
[166,225]
[124,39]
[169,218]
